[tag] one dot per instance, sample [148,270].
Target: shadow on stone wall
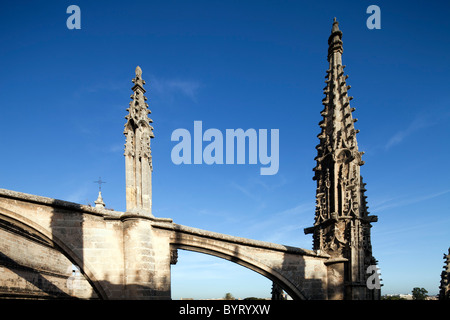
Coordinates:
[34,278]
[66,237]
[118,291]
[37,265]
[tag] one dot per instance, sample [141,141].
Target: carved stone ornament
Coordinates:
[173,256]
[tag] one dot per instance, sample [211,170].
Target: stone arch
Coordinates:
[28,228]
[344,156]
[243,260]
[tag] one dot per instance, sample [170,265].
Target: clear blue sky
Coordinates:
[235,64]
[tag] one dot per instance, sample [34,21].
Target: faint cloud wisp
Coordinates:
[418,123]
[396,202]
[171,87]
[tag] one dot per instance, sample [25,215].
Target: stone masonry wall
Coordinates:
[29,268]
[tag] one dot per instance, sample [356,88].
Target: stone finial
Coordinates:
[99,202]
[335,39]
[335,26]
[138,79]
[138,72]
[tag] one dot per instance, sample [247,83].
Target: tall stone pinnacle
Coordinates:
[338,131]
[138,158]
[342,223]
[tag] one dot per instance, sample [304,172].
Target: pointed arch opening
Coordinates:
[28,267]
[246,262]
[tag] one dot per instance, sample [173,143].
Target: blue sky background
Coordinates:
[235,64]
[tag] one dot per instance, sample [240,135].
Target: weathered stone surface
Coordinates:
[138,158]
[342,222]
[127,255]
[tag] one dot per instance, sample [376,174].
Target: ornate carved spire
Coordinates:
[138,158]
[342,224]
[338,131]
[444,292]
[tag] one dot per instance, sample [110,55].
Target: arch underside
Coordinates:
[246,262]
[37,280]
[238,253]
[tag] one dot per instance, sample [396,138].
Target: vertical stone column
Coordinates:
[139,257]
[336,270]
[146,169]
[130,176]
[147,259]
